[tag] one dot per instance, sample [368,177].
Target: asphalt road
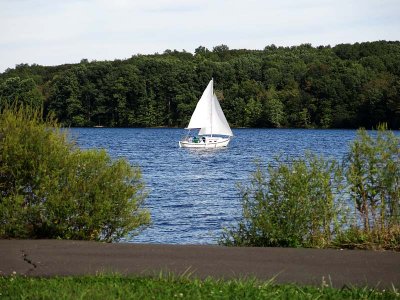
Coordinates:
[339,268]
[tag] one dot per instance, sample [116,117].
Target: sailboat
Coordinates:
[208,117]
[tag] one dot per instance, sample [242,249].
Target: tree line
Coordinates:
[346,86]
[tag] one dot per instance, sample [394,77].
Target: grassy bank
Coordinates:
[120,287]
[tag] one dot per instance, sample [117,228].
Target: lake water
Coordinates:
[192,193]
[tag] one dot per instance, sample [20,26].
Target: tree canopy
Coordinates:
[346,86]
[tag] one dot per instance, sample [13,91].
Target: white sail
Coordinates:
[208,115]
[201,116]
[219,124]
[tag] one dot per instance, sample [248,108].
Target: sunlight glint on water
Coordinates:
[192,193]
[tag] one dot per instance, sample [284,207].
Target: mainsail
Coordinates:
[208,115]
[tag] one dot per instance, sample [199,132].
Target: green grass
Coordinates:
[169,287]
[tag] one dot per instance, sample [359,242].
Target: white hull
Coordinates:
[209,142]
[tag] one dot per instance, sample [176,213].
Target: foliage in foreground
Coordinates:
[373,176]
[51,189]
[118,287]
[294,207]
[306,202]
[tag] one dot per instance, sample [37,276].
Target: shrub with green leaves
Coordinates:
[373,175]
[51,189]
[292,205]
[309,203]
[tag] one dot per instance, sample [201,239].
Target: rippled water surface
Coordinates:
[192,193]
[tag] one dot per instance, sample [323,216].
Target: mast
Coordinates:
[212,101]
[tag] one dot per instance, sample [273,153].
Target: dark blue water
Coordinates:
[192,193]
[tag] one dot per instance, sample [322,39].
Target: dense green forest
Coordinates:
[346,86]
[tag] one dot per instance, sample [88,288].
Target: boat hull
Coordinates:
[208,143]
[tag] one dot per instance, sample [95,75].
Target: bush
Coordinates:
[292,206]
[51,189]
[305,202]
[373,175]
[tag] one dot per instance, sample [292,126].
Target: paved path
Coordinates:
[305,266]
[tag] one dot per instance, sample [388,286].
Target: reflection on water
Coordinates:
[193,192]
